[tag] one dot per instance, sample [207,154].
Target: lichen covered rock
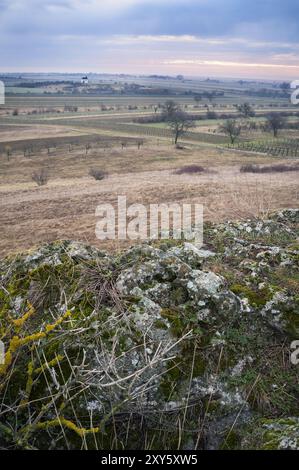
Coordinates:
[166,343]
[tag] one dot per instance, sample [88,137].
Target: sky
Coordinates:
[214,38]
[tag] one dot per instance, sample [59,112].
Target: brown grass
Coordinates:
[97,174]
[40,177]
[65,208]
[190,170]
[74,163]
[278,168]
[15,132]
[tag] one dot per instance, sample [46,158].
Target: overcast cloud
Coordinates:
[198,37]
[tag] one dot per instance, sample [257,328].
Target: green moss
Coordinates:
[286,278]
[199,366]
[279,431]
[188,364]
[178,326]
[194,361]
[257,298]
[292,322]
[160,324]
[165,244]
[212,406]
[179,295]
[170,380]
[18,285]
[264,398]
[293,247]
[4,308]
[231,441]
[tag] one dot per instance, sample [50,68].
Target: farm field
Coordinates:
[65,207]
[15,132]
[67,136]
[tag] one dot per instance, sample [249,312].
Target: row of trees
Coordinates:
[232,128]
[180,122]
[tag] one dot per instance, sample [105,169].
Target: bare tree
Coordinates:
[169,108]
[87,148]
[197,98]
[26,151]
[209,95]
[246,110]
[275,121]
[8,152]
[232,129]
[179,123]
[40,177]
[177,120]
[285,86]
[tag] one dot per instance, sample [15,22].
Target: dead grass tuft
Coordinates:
[40,177]
[190,170]
[279,168]
[98,174]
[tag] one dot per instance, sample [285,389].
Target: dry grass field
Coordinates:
[47,135]
[15,132]
[65,207]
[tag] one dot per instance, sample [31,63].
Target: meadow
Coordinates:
[67,136]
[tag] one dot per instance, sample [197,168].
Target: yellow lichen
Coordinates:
[61,421]
[50,328]
[46,365]
[29,383]
[17,342]
[14,345]
[20,321]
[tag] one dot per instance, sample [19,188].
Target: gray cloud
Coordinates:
[34,33]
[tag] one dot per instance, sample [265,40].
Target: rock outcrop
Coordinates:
[166,345]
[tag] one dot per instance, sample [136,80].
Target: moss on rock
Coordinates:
[116,351]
